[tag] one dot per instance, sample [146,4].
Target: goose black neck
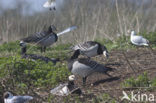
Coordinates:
[100,49]
[23,50]
[50,29]
[75,55]
[70,84]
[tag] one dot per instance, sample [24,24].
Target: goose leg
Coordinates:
[108,75]
[41,49]
[84,81]
[44,48]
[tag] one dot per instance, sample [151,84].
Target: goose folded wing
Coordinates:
[21,99]
[88,62]
[87,45]
[36,37]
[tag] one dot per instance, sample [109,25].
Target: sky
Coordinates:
[35,5]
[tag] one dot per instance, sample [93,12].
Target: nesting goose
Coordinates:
[138,40]
[33,56]
[66,88]
[51,4]
[91,49]
[44,38]
[9,98]
[85,67]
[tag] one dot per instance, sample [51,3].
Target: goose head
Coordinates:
[22,44]
[52,28]
[105,52]
[7,95]
[71,77]
[23,47]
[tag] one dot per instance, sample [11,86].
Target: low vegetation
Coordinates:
[25,76]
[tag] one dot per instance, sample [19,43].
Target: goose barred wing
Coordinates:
[35,38]
[88,62]
[86,46]
[21,99]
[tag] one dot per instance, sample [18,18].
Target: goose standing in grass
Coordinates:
[44,38]
[9,98]
[66,88]
[51,4]
[91,49]
[33,56]
[85,67]
[138,40]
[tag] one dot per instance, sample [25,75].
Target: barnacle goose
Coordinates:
[67,88]
[33,56]
[9,98]
[91,49]
[85,67]
[51,4]
[44,38]
[138,40]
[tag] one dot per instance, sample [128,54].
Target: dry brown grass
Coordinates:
[100,18]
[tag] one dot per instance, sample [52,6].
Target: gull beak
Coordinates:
[105,53]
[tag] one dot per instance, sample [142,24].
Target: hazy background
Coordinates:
[94,18]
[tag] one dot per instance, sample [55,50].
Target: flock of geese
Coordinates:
[77,65]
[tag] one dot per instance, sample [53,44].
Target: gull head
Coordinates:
[133,33]
[7,95]
[71,77]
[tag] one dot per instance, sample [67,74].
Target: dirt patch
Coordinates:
[125,64]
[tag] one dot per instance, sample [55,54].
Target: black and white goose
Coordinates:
[9,98]
[91,49]
[66,88]
[44,38]
[33,56]
[85,67]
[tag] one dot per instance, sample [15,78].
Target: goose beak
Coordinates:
[105,53]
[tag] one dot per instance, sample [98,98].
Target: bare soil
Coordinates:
[125,64]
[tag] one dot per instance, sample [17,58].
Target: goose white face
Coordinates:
[22,43]
[71,77]
[105,53]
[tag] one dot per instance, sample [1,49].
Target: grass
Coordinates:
[23,76]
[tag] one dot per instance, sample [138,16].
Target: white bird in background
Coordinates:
[9,98]
[51,4]
[138,40]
